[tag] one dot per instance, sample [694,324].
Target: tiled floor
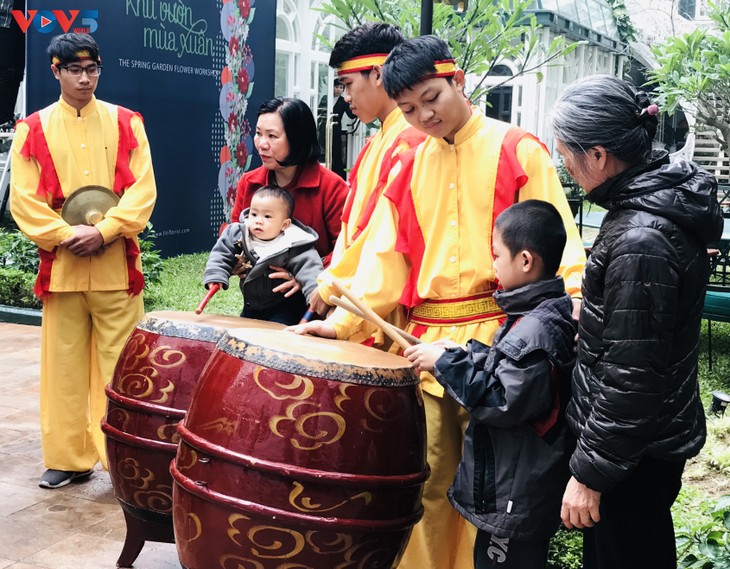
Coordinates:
[80,526]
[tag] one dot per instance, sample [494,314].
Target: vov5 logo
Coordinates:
[48,21]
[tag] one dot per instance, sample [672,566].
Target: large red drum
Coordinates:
[149,394]
[299,452]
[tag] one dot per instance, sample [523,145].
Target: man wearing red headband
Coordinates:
[358,57]
[90,277]
[431,251]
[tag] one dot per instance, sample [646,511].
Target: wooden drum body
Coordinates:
[298,453]
[149,394]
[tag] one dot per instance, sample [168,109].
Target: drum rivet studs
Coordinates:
[201,483]
[204,460]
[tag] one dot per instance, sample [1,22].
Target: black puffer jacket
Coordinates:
[635,389]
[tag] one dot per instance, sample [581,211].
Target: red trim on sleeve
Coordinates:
[36,146]
[510,174]
[410,241]
[412,138]
[123,176]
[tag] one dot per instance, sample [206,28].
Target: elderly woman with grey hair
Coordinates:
[635,408]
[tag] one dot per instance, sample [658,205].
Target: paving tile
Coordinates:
[17,498]
[20,539]
[20,469]
[79,552]
[5,563]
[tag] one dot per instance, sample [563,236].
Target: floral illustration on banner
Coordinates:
[236,88]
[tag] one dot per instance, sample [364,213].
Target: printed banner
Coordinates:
[197,70]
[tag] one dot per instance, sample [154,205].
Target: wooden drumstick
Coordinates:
[215,287]
[371,315]
[347,305]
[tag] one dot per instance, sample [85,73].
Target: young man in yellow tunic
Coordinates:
[430,249]
[358,57]
[90,277]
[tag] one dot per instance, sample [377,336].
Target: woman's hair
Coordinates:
[279,194]
[300,129]
[534,226]
[605,111]
[366,39]
[410,61]
[66,48]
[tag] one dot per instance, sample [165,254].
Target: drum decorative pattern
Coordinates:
[287,461]
[149,394]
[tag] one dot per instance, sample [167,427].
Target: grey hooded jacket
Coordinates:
[298,256]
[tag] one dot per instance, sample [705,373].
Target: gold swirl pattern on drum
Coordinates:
[158,500]
[167,357]
[311,441]
[235,562]
[367,555]
[131,470]
[197,524]
[318,541]
[220,425]
[169,388]
[136,348]
[303,384]
[277,543]
[118,417]
[245,563]
[173,437]
[343,396]
[186,453]
[137,384]
[305,504]
[385,406]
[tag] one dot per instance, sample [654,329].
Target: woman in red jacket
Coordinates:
[286,140]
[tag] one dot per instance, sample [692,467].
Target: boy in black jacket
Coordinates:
[517,445]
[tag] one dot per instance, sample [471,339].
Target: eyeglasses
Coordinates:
[77,70]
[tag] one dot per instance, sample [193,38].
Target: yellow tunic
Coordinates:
[453,191]
[382,148]
[83,146]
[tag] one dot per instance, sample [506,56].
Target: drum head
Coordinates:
[318,357]
[204,327]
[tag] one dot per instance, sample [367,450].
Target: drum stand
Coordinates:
[143,526]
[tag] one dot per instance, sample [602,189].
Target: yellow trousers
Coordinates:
[442,539]
[82,335]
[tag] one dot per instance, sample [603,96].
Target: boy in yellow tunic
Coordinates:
[358,57]
[430,249]
[90,277]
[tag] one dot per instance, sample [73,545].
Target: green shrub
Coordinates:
[566,550]
[16,288]
[706,543]
[151,258]
[17,251]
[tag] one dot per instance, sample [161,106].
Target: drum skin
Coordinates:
[149,394]
[297,453]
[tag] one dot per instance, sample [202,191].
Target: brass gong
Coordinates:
[88,205]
